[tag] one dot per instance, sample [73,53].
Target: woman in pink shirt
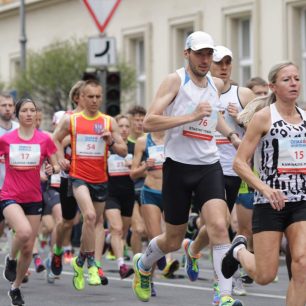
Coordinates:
[24,150]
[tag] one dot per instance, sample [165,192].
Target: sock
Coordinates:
[67,248]
[90,258]
[98,263]
[13,287]
[35,255]
[81,259]
[120,262]
[236,249]
[57,250]
[225,285]
[151,255]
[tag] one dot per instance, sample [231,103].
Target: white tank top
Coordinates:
[281,157]
[193,143]
[15,125]
[226,150]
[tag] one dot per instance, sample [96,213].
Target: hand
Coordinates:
[203,109]
[150,163]
[107,137]
[276,198]
[64,164]
[232,110]
[48,169]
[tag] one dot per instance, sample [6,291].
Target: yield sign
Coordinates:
[102,11]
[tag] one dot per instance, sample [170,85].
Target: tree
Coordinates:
[51,73]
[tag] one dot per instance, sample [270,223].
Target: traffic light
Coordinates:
[112,93]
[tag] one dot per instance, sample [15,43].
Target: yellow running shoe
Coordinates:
[93,276]
[78,278]
[141,281]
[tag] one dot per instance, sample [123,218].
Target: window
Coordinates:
[244,47]
[180,28]
[137,52]
[140,71]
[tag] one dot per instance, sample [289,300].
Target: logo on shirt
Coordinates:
[98,128]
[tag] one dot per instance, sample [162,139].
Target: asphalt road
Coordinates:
[178,291]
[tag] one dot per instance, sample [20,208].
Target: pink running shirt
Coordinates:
[23,159]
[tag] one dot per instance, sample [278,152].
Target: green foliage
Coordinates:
[50,74]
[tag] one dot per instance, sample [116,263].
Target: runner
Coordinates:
[186,105]
[121,198]
[277,134]
[92,134]
[24,150]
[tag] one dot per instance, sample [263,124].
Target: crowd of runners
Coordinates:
[211,164]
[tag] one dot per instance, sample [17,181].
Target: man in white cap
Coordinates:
[233,99]
[186,105]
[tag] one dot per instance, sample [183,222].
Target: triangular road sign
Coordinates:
[102,11]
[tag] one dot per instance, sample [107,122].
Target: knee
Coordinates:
[219,228]
[24,235]
[66,224]
[90,218]
[265,278]
[299,269]
[116,231]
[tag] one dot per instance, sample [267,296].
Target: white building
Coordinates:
[150,34]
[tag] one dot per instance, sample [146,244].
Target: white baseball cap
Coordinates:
[199,40]
[58,116]
[220,52]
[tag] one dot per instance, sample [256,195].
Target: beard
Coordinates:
[195,71]
[6,117]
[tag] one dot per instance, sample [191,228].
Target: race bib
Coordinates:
[117,165]
[89,145]
[55,180]
[158,154]
[292,155]
[203,129]
[24,156]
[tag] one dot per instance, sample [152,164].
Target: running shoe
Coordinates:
[172,266]
[78,278]
[104,279]
[67,256]
[238,287]
[125,271]
[227,300]
[229,263]
[93,276]
[56,264]
[38,264]
[9,272]
[191,264]
[50,277]
[216,298]
[161,263]
[16,297]
[110,255]
[141,281]
[247,280]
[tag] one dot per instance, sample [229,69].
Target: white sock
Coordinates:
[225,285]
[236,249]
[120,262]
[151,255]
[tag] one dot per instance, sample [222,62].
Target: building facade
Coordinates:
[150,35]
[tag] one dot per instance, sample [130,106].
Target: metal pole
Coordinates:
[23,38]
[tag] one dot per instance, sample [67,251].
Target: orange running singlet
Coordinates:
[88,149]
